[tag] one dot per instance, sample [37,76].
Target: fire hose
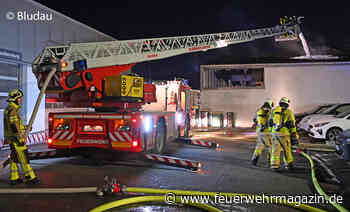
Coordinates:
[112,187]
[117,188]
[178,193]
[144,199]
[38,101]
[317,185]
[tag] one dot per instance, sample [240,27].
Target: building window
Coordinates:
[8,81]
[233,78]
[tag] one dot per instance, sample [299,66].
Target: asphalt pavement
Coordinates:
[226,169]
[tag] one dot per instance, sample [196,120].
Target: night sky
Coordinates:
[325,28]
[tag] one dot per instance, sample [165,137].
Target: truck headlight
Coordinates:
[147,123]
[179,117]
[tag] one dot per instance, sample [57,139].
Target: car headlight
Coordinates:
[321,124]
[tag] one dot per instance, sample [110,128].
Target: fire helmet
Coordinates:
[14,95]
[284,101]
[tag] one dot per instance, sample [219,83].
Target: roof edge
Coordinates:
[275,64]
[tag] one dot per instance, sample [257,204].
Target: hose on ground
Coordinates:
[179,193]
[317,185]
[143,199]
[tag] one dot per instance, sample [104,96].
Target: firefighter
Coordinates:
[284,134]
[263,130]
[14,136]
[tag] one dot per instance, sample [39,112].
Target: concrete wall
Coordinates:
[30,37]
[306,86]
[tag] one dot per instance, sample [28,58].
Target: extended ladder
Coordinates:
[103,54]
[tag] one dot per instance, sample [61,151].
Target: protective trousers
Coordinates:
[281,143]
[263,140]
[19,154]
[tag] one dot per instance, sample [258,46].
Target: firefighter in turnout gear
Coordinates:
[14,136]
[283,132]
[263,130]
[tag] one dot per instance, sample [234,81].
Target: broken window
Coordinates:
[233,78]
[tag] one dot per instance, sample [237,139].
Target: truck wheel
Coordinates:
[160,138]
[332,135]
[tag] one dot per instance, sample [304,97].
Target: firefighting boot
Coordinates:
[34,181]
[30,177]
[290,166]
[14,174]
[255,160]
[276,169]
[16,182]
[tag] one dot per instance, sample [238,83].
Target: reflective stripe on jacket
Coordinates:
[13,125]
[279,125]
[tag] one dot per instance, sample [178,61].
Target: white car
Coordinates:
[336,109]
[329,127]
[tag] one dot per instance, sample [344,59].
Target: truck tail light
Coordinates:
[133,120]
[61,124]
[49,141]
[121,125]
[134,143]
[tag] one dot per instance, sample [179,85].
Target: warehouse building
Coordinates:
[27,27]
[239,89]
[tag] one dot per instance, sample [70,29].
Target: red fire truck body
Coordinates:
[135,131]
[125,113]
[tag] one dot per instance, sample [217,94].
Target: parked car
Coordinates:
[329,127]
[317,110]
[336,109]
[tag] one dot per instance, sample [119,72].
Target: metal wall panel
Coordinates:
[3,102]
[9,70]
[7,85]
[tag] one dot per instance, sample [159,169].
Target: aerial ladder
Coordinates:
[85,65]
[101,71]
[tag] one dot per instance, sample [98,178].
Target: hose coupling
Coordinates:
[110,186]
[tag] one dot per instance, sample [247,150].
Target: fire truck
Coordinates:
[122,112]
[178,97]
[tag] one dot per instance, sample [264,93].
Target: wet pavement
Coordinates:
[226,169]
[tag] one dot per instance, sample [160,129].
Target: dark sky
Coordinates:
[325,27]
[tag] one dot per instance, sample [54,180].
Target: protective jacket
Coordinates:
[283,121]
[262,117]
[13,126]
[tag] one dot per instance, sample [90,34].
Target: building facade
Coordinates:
[27,27]
[242,88]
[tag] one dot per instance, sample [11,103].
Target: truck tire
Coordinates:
[160,137]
